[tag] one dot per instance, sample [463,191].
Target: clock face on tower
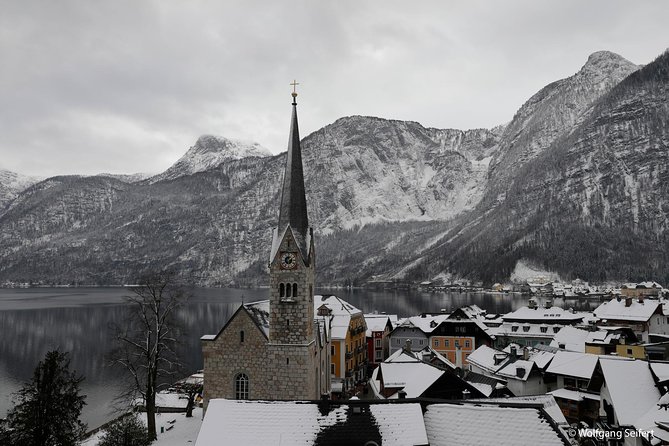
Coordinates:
[288,260]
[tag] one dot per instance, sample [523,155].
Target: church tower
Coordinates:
[292,333]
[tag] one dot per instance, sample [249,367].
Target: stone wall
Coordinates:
[227,356]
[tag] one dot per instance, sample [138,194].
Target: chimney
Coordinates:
[458,356]
[514,351]
[401,394]
[628,301]
[618,298]
[641,298]
[466,394]
[407,346]
[532,304]
[526,353]
[548,304]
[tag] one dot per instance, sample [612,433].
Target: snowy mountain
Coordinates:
[11,184]
[209,152]
[576,183]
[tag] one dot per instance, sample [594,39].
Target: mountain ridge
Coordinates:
[390,199]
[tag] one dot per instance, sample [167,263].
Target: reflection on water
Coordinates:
[34,321]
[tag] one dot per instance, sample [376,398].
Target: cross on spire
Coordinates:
[294,93]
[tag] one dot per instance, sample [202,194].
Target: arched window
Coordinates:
[289,290]
[241,387]
[282,290]
[294,290]
[241,336]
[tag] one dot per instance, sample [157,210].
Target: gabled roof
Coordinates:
[451,424]
[414,378]
[425,322]
[616,309]
[378,322]
[259,316]
[579,365]
[507,367]
[341,313]
[572,338]
[632,388]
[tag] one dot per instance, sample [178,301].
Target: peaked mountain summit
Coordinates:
[209,152]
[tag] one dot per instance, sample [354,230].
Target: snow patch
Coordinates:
[526,272]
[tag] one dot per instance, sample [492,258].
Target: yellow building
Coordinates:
[348,342]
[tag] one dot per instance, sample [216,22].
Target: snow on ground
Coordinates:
[524,272]
[183,432]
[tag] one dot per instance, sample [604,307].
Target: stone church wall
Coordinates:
[226,357]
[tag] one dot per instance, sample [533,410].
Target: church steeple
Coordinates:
[293,207]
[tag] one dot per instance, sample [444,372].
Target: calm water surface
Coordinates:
[77,320]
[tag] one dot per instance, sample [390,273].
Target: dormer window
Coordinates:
[514,328]
[556,329]
[526,328]
[544,329]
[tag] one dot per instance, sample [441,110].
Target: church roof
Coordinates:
[293,207]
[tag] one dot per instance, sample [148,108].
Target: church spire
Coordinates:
[293,208]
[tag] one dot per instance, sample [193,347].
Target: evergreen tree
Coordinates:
[127,431]
[47,409]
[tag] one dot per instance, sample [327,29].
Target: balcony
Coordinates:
[349,355]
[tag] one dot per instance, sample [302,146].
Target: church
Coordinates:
[277,349]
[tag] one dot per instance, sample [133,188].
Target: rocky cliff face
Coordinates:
[576,182]
[592,203]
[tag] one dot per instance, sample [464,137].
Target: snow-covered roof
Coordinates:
[298,423]
[341,313]
[579,365]
[451,424]
[574,395]
[547,401]
[525,329]
[378,322]
[547,315]
[632,388]
[572,338]
[425,322]
[412,377]
[616,309]
[661,370]
[646,285]
[507,367]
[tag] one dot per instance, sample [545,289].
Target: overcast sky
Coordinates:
[128,86]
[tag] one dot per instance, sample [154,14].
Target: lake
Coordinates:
[77,320]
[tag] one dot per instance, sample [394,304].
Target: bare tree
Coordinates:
[147,341]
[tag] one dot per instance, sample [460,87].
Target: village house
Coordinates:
[548,314]
[378,342]
[525,334]
[643,289]
[630,398]
[457,336]
[522,369]
[427,374]
[642,316]
[599,342]
[416,329]
[348,342]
